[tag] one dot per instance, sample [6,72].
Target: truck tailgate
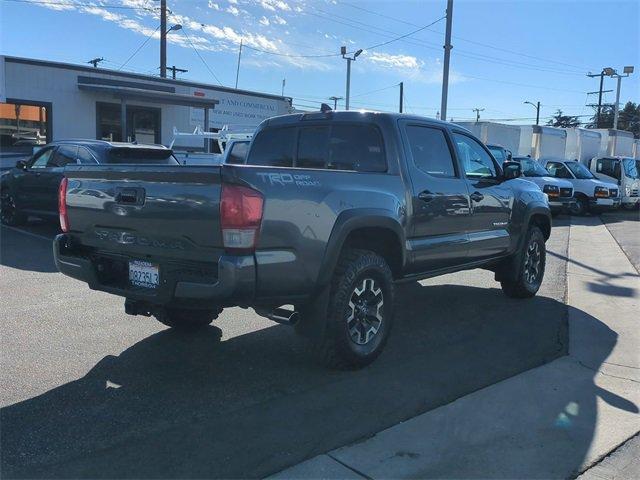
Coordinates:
[155,211]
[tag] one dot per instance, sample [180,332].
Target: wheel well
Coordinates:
[383,241]
[543,222]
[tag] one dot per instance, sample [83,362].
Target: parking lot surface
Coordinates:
[87,391]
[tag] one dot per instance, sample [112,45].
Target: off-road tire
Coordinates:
[367,272]
[9,213]
[186,320]
[519,282]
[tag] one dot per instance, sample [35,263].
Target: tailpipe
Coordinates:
[280,315]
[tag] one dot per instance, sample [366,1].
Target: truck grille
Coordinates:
[613,192]
[634,193]
[566,192]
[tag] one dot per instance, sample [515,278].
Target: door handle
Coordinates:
[426,196]
[476,196]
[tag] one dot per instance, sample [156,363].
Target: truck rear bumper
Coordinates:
[234,283]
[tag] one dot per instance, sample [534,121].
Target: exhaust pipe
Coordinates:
[280,315]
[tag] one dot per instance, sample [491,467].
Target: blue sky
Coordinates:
[505,52]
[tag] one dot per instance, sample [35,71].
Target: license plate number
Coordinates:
[144,274]
[605,201]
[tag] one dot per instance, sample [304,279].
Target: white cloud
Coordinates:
[233,10]
[395,61]
[233,2]
[214,6]
[274,5]
[264,21]
[279,20]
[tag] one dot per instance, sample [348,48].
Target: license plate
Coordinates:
[144,274]
[605,201]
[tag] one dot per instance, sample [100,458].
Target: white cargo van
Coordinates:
[623,171]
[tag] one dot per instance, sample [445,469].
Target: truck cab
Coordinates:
[624,171]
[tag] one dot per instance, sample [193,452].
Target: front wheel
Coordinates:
[529,266]
[9,213]
[360,311]
[579,207]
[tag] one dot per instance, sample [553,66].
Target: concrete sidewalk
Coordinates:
[554,421]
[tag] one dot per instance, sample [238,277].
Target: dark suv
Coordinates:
[329,213]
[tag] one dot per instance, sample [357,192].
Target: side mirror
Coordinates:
[509,156]
[21,165]
[511,170]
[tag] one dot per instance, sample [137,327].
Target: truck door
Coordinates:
[491,199]
[440,199]
[28,182]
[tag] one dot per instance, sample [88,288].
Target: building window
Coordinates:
[24,125]
[143,123]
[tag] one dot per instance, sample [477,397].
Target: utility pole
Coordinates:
[401,95]
[607,71]
[335,101]
[343,51]
[537,107]
[284,82]
[239,57]
[96,61]
[175,69]
[478,110]
[163,38]
[447,56]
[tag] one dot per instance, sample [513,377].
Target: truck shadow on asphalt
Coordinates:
[177,405]
[26,252]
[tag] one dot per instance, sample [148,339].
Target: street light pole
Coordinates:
[616,109]
[537,107]
[343,51]
[447,56]
[401,96]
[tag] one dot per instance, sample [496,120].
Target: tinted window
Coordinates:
[558,170]
[498,154]
[313,143]
[475,160]
[144,156]
[85,157]
[273,147]
[430,151]
[238,153]
[41,158]
[64,155]
[356,147]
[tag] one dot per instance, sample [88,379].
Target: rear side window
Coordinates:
[238,153]
[85,157]
[356,147]
[273,147]
[65,155]
[430,151]
[141,156]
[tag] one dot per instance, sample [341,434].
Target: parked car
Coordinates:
[330,211]
[31,187]
[624,171]
[500,153]
[590,193]
[560,192]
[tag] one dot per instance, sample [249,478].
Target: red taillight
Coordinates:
[240,216]
[62,205]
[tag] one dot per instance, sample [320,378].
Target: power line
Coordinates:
[388,17]
[82,4]
[200,56]
[140,47]
[375,91]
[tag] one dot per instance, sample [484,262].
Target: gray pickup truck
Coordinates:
[329,213]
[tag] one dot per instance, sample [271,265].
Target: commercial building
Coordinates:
[42,101]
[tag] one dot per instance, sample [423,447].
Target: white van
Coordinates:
[621,170]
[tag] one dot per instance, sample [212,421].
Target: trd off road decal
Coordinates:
[284,179]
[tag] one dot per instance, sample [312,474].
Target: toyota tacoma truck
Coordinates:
[329,213]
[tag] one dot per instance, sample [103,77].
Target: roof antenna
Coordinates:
[324,108]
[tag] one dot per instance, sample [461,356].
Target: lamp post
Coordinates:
[163,41]
[343,51]
[628,70]
[537,107]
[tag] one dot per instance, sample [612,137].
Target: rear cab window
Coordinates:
[350,147]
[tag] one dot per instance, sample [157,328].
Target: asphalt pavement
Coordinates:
[87,391]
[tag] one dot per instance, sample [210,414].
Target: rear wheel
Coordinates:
[9,213]
[184,319]
[528,267]
[360,311]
